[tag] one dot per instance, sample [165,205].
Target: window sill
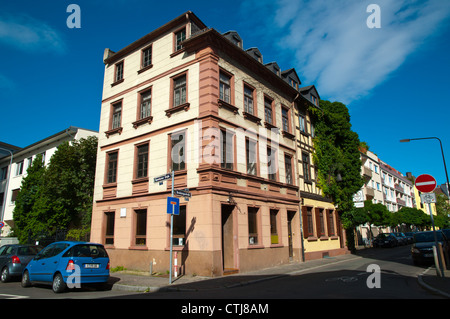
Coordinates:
[143,121]
[177,108]
[228,106]
[109,185]
[114,131]
[117,82]
[311,238]
[177,52]
[251,117]
[138,247]
[270,126]
[255,246]
[288,135]
[139,180]
[276,245]
[145,69]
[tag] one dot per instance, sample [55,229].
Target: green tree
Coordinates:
[27,224]
[337,158]
[60,196]
[410,217]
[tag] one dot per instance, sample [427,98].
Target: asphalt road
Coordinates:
[389,271]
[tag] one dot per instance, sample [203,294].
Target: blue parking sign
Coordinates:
[173,205]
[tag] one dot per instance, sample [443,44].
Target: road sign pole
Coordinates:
[171,234]
[440,269]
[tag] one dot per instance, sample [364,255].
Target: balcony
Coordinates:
[399,188]
[367,172]
[401,202]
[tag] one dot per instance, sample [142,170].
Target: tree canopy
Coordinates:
[59,196]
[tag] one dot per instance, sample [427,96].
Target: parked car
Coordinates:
[401,238]
[446,233]
[385,240]
[68,264]
[14,258]
[422,249]
[410,237]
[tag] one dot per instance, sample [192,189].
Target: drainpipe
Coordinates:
[299,192]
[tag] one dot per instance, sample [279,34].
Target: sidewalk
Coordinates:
[143,282]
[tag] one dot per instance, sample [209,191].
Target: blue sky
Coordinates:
[394,79]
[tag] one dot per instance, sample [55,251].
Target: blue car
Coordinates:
[68,264]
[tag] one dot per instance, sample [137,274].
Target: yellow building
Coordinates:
[321,229]
[420,205]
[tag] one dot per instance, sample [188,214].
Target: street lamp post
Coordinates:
[429,205]
[443,157]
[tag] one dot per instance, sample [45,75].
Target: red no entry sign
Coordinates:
[425,183]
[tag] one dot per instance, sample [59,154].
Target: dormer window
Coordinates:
[180,36]
[293,83]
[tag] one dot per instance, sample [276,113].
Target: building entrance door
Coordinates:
[228,260]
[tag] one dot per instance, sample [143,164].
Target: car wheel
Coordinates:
[58,285]
[26,279]
[5,275]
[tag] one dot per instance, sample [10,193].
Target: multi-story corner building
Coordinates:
[11,175]
[321,228]
[187,99]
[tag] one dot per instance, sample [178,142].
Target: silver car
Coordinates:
[14,258]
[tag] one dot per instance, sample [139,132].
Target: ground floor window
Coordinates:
[141,227]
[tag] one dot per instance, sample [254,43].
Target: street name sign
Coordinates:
[425,183]
[183,193]
[162,178]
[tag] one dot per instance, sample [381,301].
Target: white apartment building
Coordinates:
[372,189]
[398,191]
[11,177]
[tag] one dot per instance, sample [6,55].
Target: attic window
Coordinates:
[293,83]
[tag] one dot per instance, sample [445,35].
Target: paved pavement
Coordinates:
[143,282]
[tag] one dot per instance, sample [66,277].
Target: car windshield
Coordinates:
[88,250]
[28,250]
[427,236]
[383,235]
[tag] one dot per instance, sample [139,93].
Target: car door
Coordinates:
[37,267]
[52,261]
[3,256]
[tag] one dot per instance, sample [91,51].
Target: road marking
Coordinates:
[13,296]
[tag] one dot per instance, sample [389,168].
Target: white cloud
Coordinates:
[335,49]
[26,33]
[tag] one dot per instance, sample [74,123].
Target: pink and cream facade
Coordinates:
[188,99]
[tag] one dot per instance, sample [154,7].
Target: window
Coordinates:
[248,100]
[224,87]
[273,227]
[227,158]
[331,231]
[306,167]
[285,119]
[116,121]
[320,221]
[109,232]
[14,194]
[118,72]
[147,57]
[268,110]
[29,162]
[141,227]
[177,151]
[253,225]
[142,161]
[145,109]
[288,168]
[179,227]
[112,168]
[179,90]
[4,173]
[180,36]
[271,164]
[309,222]
[19,168]
[250,151]
[302,123]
